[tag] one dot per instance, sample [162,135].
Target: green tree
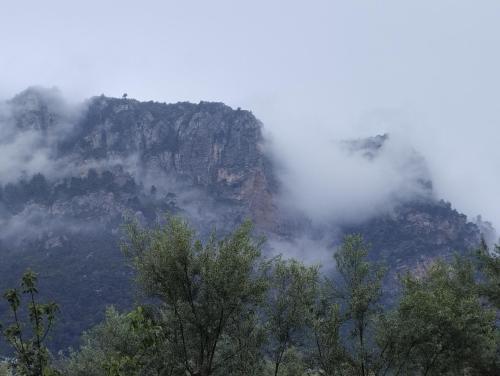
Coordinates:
[440,326]
[5,369]
[358,292]
[210,294]
[330,354]
[28,339]
[124,344]
[292,296]
[218,308]
[489,265]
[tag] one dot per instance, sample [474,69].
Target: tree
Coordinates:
[489,265]
[218,308]
[330,354]
[31,354]
[358,293]
[293,294]
[440,326]
[210,294]
[5,369]
[123,344]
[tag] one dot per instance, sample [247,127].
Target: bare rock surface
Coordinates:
[84,168]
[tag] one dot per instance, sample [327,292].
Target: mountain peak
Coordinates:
[38,108]
[204,161]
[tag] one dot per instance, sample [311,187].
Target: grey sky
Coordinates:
[427,70]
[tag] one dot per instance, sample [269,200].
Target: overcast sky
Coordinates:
[426,70]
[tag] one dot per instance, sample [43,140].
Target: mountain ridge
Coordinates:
[117,157]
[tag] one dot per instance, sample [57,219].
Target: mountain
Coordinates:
[72,173]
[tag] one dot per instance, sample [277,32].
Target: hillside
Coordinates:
[73,173]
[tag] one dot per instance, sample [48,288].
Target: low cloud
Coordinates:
[346,180]
[311,251]
[31,126]
[332,174]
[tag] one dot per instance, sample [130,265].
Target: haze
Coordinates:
[313,72]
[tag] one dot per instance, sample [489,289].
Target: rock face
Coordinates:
[417,233]
[207,146]
[76,173]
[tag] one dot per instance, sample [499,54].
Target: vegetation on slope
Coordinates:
[220,308]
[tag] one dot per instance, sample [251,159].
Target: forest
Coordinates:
[219,307]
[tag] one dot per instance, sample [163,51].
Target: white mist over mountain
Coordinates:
[346,179]
[314,73]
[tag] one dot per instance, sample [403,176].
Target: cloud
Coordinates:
[36,222]
[31,126]
[347,61]
[345,180]
[310,251]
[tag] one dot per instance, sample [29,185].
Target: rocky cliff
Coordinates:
[72,173]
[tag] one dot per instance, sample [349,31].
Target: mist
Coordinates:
[343,180]
[425,73]
[28,148]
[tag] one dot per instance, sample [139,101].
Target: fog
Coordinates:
[332,179]
[26,150]
[315,73]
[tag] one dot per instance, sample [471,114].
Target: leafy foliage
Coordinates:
[31,354]
[122,345]
[359,292]
[440,326]
[209,294]
[292,296]
[489,265]
[219,308]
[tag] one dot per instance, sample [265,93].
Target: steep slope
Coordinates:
[111,159]
[75,173]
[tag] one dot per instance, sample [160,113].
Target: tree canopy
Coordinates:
[219,307]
